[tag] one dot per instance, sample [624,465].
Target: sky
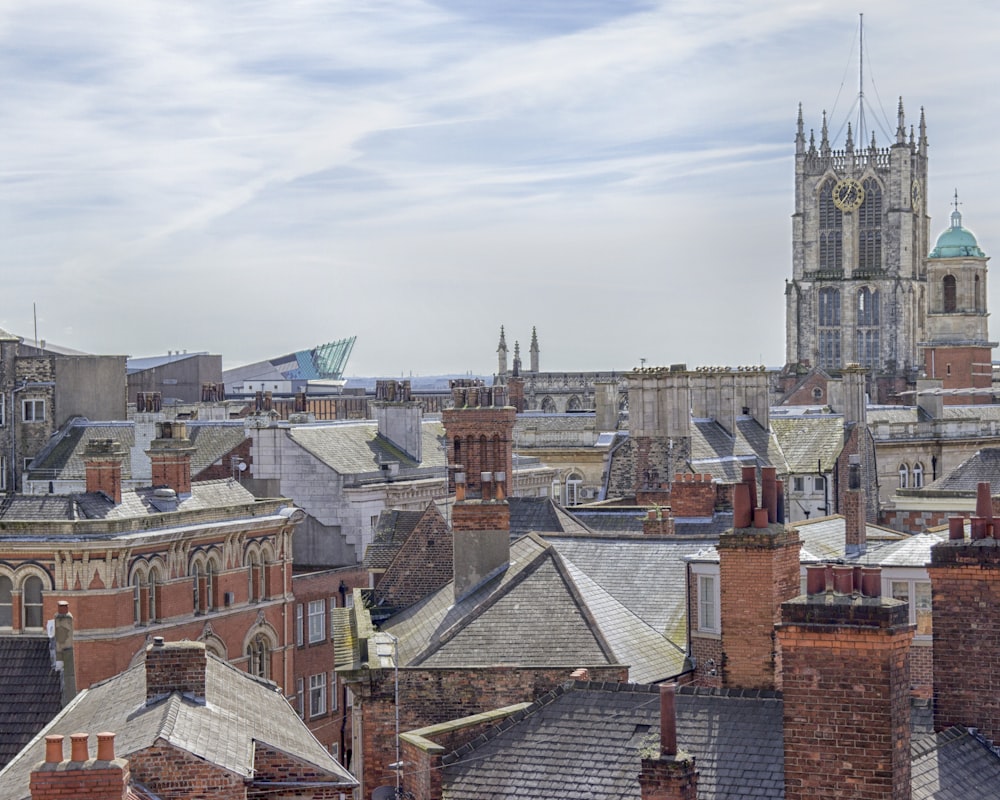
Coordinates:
[251,178]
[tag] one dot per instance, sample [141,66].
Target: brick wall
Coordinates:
[223,468]
[175,667]
[693,495]
[846,691]
[758,570]
[480,439]
[273,766]
[171,772]
[669,778]
[965,580]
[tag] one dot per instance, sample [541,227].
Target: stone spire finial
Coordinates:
[901,123]
[824,138]
[533,349]
[849,146]
[923,133]
[800,137]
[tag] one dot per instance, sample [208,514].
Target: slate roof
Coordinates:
[805,439]
[717,453]
[391,532]
[628,519]
[628,567]
[63,459]
[541,610]
[352,448]
[135,503]
[585,740]
[238,710]
[32,692]
[984,465]
[825,539]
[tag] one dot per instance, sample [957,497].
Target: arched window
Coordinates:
[253,577]
[978,295]
[573,484]
[31,601]
[259,656]
[138,590]
[6,602]
[870,227]
[831,225]
[548,405]
[918,475]
[950,289]
[829,328]
[574,404]
[154,588]
[868,327]
[904,476]
[198,588]
[210,587]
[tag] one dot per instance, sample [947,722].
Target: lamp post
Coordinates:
[13,425]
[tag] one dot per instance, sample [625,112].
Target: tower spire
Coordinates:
[861,79]
[502,355]
[533,349]
[800,136]
[900,124]
[824,138]
[922,142]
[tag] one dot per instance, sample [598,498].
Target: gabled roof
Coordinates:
[353,448]
[825,538]
[238,712]
[541,610]
[540,515]
[628,519]
[32,692]
[804,440]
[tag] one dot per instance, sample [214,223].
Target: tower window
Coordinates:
[870,227]
[950,288]
[868,327]
[829,328]
[831,224]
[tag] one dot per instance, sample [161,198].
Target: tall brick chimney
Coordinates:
[103,461]
[175,667]
[846,691]
[758,571]
[671,775]
[170,457]
[479,433]
[102,778]
[965,582]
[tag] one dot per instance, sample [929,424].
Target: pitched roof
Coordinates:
[540,610]
[32,693]
[63,459]
[587,739]
[716,452]
[982,466]
[391,531]
[238,711]
[804,440]
[135,503]
[352,448]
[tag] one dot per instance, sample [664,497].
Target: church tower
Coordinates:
[957,351]
[859,246]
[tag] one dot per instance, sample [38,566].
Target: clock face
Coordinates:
[915,196]
[848,194]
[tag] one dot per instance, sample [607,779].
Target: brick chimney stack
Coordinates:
[758,571]
[672,775]
[102,778]
[103,461]
[965,582]
[479,431]
[399,416]
[846,690]
[658,522]
[854,510]
[175,667]
[170,456]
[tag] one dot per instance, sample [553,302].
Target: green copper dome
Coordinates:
[956,241]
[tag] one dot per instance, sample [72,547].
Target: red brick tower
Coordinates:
[758,571]
[846,687]
[103,461]
[965,581]
[170,453]
[479,431]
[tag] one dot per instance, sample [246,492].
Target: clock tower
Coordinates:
[859,243]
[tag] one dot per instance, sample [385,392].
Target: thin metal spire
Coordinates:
[861,131]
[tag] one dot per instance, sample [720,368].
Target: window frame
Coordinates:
[316,620]
[317,695]
[708,603]
[33,403]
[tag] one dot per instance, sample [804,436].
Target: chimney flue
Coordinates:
[668,720]
[54,748]
[78,747]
